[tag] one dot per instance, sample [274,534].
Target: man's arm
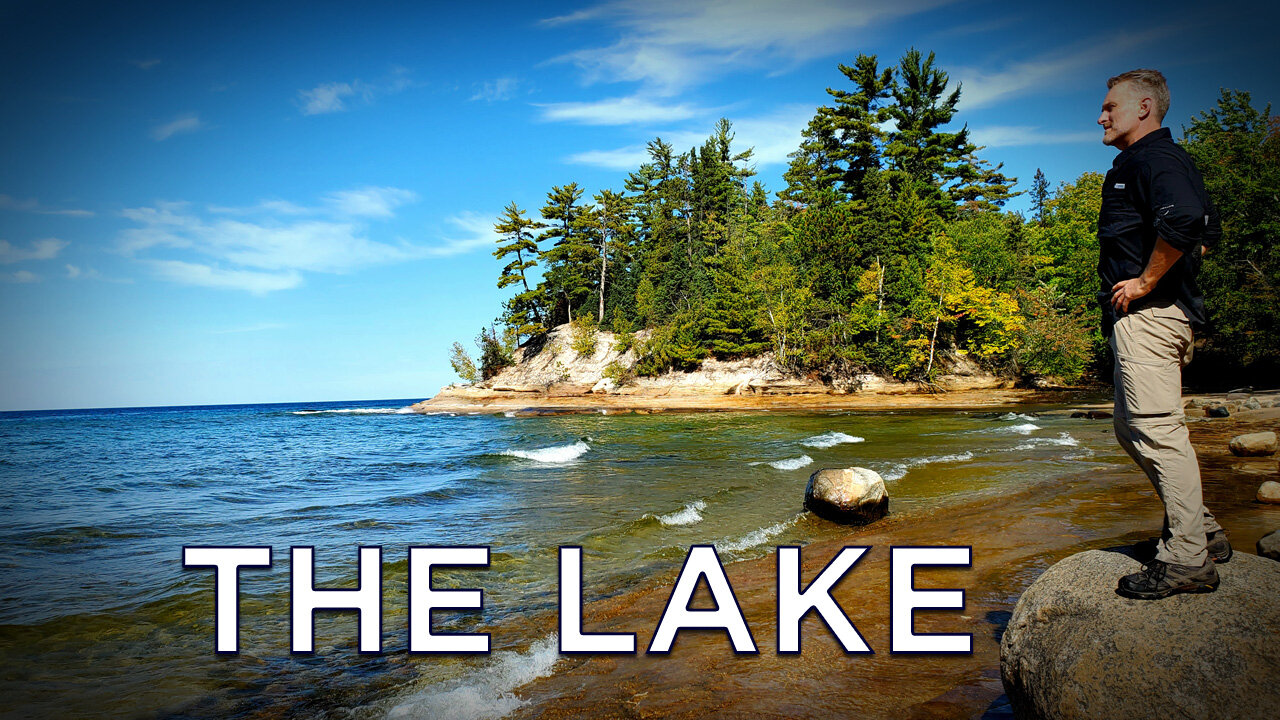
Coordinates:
[1163,256]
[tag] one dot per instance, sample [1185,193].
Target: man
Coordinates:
[1154,222]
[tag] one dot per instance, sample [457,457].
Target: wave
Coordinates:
[553,454]
[786,463]
[690,514]
[757,537]
[830,439]
[1016,416]
[486,693]
[1063,440]
[359,411]
[898,471]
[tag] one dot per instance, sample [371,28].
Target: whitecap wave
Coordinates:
[486,693]
[357,411]
[553,454]
[1063,440]
[690,514]
[1016,416]
[509,413]
[787,463]
[1022,429]
[757,537]
[898,471]
[830,439]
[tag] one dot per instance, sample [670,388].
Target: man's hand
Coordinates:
[1126,291]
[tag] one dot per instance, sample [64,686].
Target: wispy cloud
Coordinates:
[46,249]
[33,206]
[619,111]
[273,245]
[502,88]
[379,202]
[1014,135]
[981,88]
[326,97]
[771,136]
[21,276]
[668,45]
[145,64]
[188,123]
[331,97]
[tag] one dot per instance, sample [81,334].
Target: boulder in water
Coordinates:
[851,496]
[1254,444]
[1269,545]
[1074,648]
[1269,492]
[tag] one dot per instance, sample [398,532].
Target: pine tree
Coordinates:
[567,282]
[1039,195]
[522,313]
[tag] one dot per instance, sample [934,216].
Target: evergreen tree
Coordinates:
[568,281]
[1039,196]
[524,312]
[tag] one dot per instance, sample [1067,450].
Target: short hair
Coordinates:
[1151,82]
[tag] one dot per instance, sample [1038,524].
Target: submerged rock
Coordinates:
[851,496]
[1269,545]
[1074,648]
[1254,444]
[1269,492]
[1217,411]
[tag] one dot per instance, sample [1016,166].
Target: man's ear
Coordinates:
[1145,106]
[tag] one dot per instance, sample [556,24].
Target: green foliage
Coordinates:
[585,336]
[620,373]
[462,363]
[1055,342]
[494,353]
[671,347]
[1237,148]
[524,312]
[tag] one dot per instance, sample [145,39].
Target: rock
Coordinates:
[1216,411]
[851,496]
[1269,545]
[1074,648]
[1252,404]
[1254,444]
[604,386]
[1269,492]
[1091,414]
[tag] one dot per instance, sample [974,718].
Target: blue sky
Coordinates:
[271,202]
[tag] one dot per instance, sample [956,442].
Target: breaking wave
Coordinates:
[830,439]
[553,454]
[485,693]
[359,411]
[1063,440]
[900,470]
[786,463]
[690,514]
[757,537]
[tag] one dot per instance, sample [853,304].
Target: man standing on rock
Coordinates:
[1155,221]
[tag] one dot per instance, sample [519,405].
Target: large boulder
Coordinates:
[1254,444]
[851,496]
[1269,545]
[1074,648]
[1269,492]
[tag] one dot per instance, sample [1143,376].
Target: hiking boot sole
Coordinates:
[1157,594]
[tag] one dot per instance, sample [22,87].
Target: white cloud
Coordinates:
[182,124]
[46,249]
[272,245]
[21,276]
[476,233]
[370,201]
[619,111]
[145,64]
[32,205]
[982,88]
[495,90]
[258,283]
[325,98]
[771,136]
[1014,135]
[671,44]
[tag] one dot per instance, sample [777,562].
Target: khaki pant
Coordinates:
[1151,346]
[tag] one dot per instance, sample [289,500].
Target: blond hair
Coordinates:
[1150,82]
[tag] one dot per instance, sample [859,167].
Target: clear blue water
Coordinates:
[99,617]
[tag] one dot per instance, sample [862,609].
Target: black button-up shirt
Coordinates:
[1154,190]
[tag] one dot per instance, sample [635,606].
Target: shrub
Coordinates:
[462,363]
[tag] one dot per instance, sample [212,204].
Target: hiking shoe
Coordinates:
[1219,546]
[1160,579]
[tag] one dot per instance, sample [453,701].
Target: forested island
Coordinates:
[888,250]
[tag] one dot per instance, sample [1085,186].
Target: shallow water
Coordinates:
[100,618]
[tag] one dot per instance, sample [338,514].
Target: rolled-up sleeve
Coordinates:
[1179,215]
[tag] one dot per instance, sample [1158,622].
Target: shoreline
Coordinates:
[1013,542]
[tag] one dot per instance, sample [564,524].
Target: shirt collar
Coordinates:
[1151,137]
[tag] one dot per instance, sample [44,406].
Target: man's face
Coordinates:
[1121,117]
